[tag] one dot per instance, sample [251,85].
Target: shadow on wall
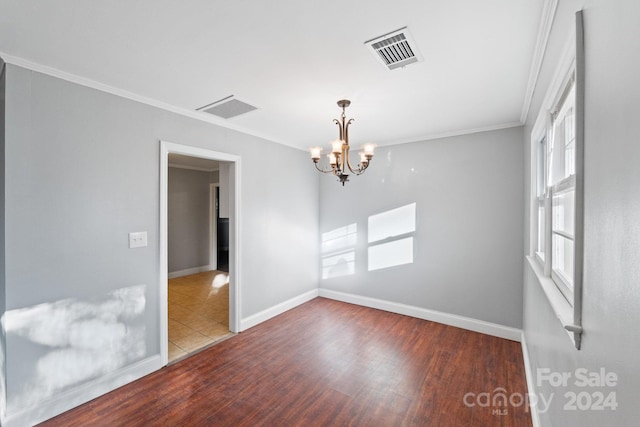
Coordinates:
[77,341]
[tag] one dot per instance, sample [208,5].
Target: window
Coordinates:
[555,188]
[560,189]
[557,203]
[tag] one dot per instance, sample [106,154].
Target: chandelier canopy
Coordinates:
[339,157]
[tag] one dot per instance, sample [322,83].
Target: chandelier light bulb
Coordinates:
[363,158]
[369,149]
[336,146]
[315,153]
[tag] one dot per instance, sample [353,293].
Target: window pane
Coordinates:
[562,259]
[563,211]
[570,143]
[541,230]
[541,167]
[556,157]
[561,155]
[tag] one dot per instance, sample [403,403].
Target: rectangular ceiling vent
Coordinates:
[396,49]
[227,107]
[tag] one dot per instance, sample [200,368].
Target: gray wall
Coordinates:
[82,171]
[188,218]
[3,370]
[468,241]
[611,287]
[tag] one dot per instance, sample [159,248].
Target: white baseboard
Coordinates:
[531,387]
[188,271]
[267,314]
[468,323]
[83,393]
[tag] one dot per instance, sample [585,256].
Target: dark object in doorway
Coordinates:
[223,244]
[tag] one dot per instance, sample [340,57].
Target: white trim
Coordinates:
[559,304]
[544,29]
[531,384]
[193,168]
[234,236]
[235,232]
[76,396]
[271,312]
[188,271]
[468,323]
[83,81]
[164,254]
[560,78]
[450,134]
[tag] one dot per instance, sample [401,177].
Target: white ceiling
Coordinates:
[294,59]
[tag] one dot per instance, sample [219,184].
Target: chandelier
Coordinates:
[339,156]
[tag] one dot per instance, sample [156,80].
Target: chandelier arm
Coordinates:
[340,126]
[323,170]
[358,170]
[346,130]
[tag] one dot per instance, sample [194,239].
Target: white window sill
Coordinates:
[559,304]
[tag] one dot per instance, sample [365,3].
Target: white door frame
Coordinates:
[234,236]
[213,227]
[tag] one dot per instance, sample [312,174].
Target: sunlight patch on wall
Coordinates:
[392,223]
[390,254]
[338,251]
[391,231]
[82,340]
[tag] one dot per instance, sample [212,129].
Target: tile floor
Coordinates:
[198,312]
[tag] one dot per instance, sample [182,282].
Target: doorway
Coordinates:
[219,235]
[201,287]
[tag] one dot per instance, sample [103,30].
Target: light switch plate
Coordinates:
[138,239]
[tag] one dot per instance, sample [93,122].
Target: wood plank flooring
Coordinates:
[326,363]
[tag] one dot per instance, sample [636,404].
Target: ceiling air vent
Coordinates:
[227,107]
[396,49]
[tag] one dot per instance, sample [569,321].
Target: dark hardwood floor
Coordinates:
[327,363]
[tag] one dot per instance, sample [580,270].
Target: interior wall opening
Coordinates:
[198,277]
[198,254]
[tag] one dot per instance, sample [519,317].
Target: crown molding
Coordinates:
[452,134]
[544,29]
[203,117]
[93,84]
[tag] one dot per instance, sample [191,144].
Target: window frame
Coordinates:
[540,200]
[566,302]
